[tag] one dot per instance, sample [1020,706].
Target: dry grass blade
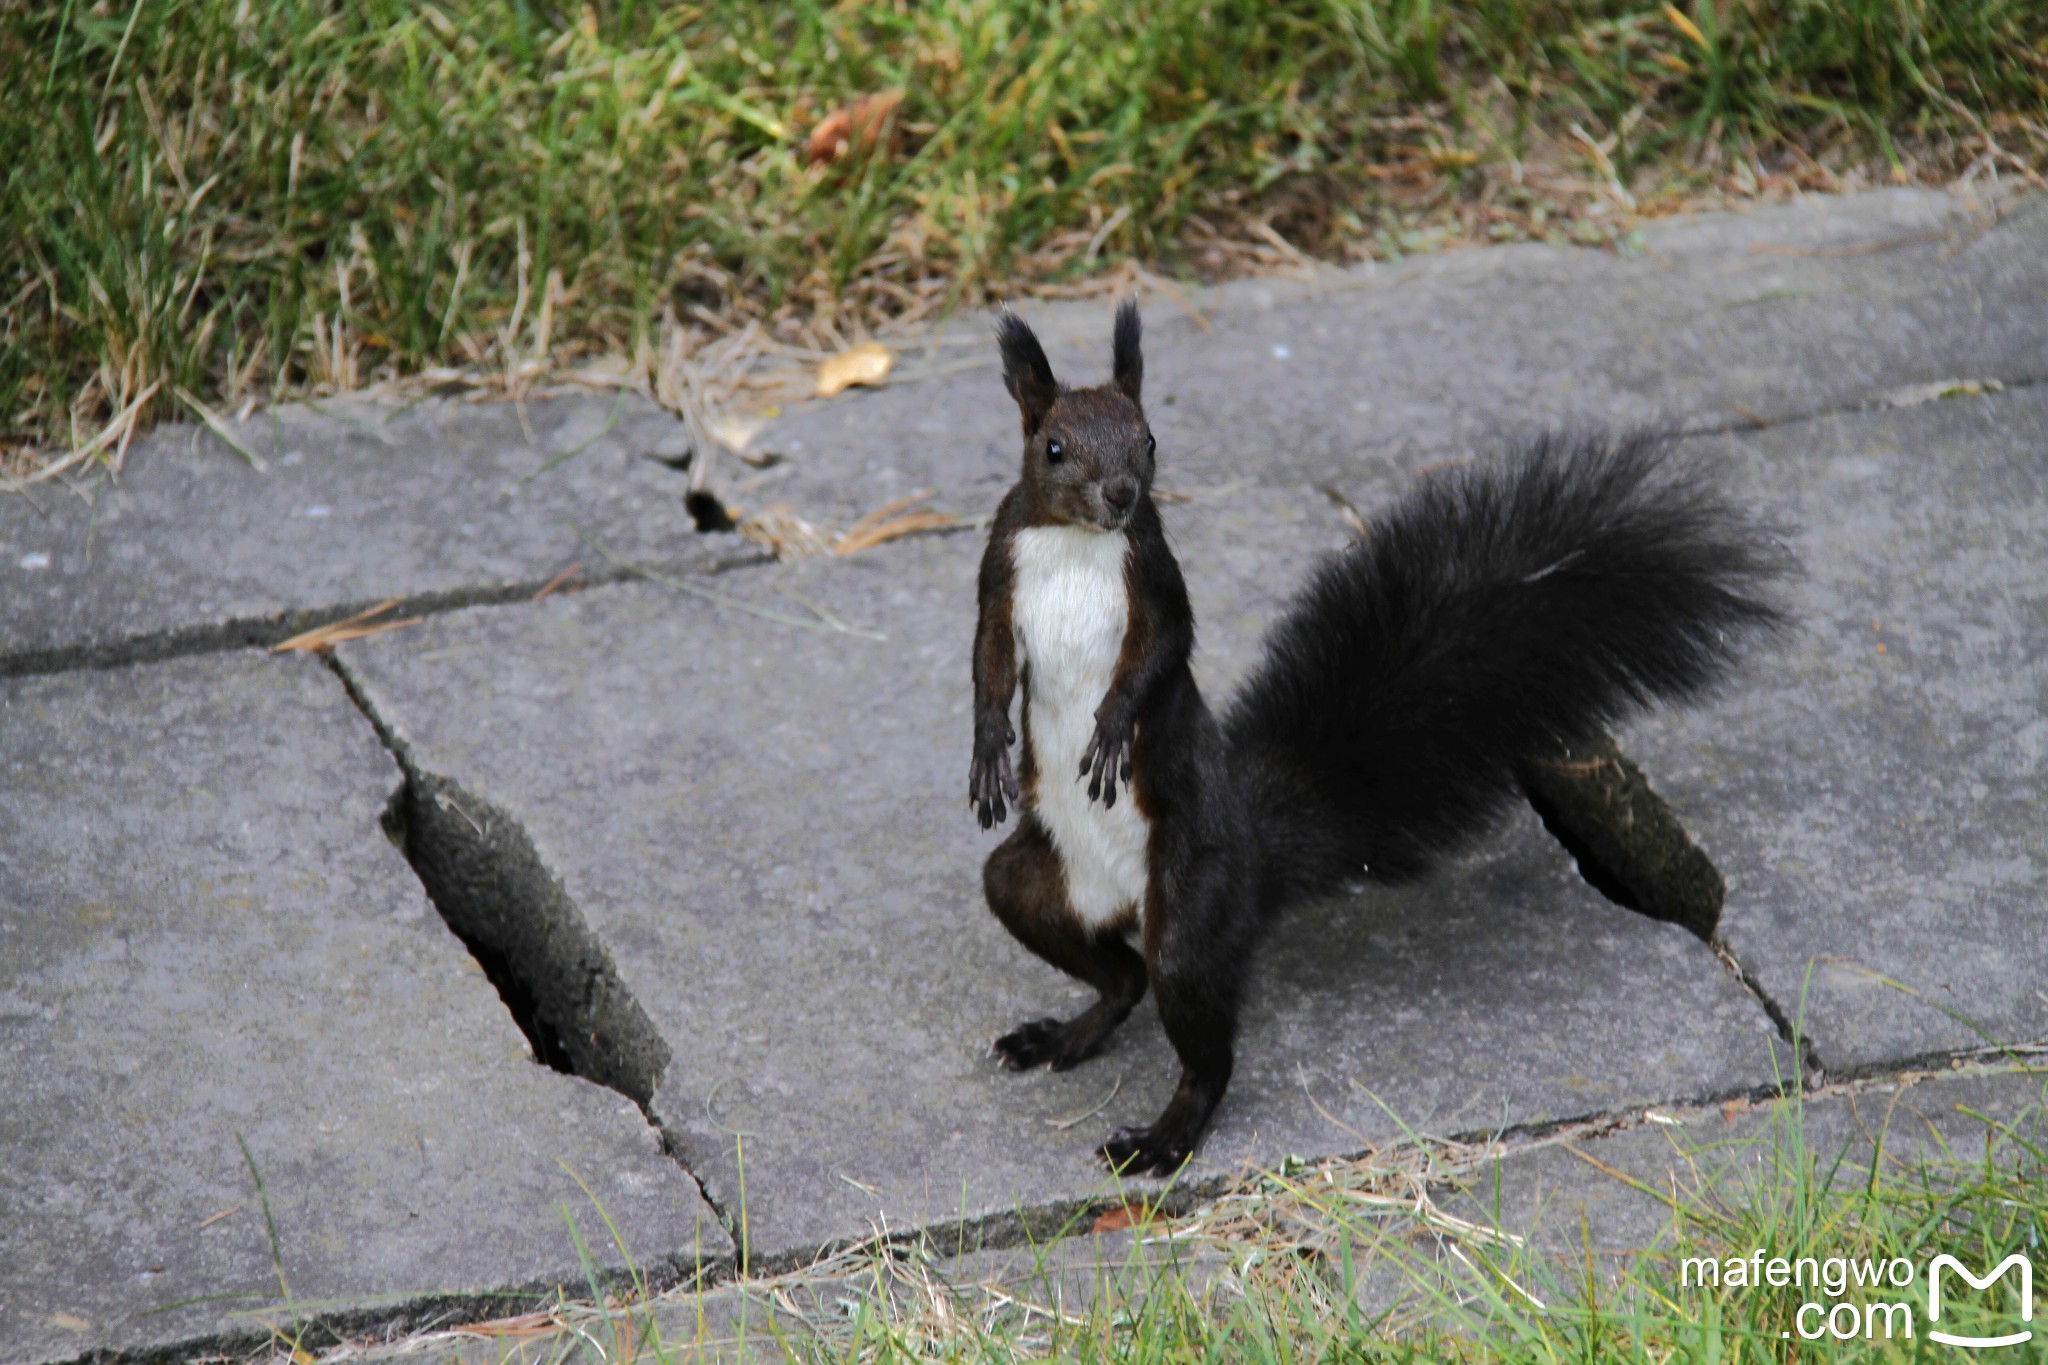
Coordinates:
[891,522]
[524,1325]
[887,510]
[121,428]
[219,1217]
[781,530]
[909,524]
[554,584]
[219,427]
[360,626]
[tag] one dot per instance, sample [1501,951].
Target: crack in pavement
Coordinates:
[262,632]
[481,871]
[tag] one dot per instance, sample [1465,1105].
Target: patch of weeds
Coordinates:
[1394,1257]
[212,201]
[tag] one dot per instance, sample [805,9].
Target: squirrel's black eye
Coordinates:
[1054,452]
[1151,444]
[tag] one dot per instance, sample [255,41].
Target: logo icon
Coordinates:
[2026,1269]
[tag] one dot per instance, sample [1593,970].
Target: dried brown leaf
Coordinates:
[861,126]
[868,363]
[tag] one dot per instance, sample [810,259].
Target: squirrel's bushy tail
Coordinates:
[1486,619]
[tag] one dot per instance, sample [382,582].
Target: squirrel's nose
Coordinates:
[1120,493]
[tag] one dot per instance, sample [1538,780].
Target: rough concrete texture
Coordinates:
[1591,1194]
[767,827]
[1873,789]
[1786,310]
[443,502]
[1713,321]
[206,941]
[733,853]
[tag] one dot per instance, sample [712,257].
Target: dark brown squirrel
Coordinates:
[1494,614]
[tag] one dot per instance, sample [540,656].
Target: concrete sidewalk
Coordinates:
[700,842]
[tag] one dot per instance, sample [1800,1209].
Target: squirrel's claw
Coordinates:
[1107,757]
[990,778]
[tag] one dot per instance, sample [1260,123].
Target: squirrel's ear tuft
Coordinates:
[1026,372]
[1128,371]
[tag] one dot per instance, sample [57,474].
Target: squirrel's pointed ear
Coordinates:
[1128,370]
[1026,372]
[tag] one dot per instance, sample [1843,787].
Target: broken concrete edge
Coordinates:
[483,873]
[559,982]
[1630,846]
[1626,841]
[496,893]
[263,632]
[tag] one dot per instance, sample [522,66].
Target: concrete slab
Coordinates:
[764,825]
[1572,1197]
[1786,310]
[1711,322]
[1872,790]
[216,970]
[442,503]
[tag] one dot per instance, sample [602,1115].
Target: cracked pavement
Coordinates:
[714,868]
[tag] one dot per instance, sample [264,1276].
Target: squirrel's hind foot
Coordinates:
[1159,1150]
[1060,1044]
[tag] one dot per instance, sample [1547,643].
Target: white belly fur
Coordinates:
[1070,610]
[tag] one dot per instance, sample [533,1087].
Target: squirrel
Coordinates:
[1493,615]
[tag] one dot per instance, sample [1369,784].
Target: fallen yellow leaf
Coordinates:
[868,363]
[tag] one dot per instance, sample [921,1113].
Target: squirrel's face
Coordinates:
[1091,459]
[1088,453]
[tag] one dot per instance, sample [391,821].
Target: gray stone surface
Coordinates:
[1873,789]
[193,548]
[206,941]
[766,827]
[755,828]
[1590,1193]
[1785,310]
[1782,311]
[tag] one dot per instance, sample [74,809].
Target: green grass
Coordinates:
[240,198]
[1296,1239]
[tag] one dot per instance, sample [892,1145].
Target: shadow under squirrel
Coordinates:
[1490,616]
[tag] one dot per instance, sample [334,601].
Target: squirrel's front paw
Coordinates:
[1108,755]
[989,778]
